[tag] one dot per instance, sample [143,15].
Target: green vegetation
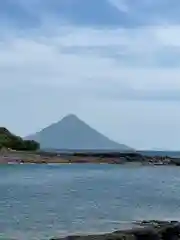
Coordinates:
[9,140]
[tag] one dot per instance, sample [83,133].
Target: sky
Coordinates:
[113,63]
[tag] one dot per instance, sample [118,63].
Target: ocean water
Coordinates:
[44,201]
[175,154]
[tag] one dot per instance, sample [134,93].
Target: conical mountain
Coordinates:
[71,133]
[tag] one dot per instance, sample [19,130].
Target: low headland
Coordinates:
[14,149]
[8,155]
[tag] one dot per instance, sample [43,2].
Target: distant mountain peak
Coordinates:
[70,120]
[71,117]
[72,133]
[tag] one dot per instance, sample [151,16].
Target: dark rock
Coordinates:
[111,236]
[154,223]
[171,232]
[157,230]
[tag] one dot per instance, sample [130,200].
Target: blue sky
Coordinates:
[114,63]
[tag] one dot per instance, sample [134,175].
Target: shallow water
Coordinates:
[42,201]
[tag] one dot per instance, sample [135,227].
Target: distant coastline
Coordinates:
[44,157]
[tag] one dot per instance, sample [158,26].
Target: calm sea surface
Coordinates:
[43,201]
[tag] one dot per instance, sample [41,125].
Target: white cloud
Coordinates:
[43,60]
[125,92]
[121,5]
[169,35]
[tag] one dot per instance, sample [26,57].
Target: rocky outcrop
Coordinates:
[153,230]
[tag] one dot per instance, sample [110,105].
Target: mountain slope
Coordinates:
[73,133]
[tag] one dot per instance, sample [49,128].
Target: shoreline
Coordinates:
[147,230]
[120,158]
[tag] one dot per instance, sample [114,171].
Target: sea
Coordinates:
[45,201]
[175,154]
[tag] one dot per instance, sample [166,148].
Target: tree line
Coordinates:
[9,140]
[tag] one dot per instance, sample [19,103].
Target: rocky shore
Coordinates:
[11,156]
[147,230]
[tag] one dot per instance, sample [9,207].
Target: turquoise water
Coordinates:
[42,201]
